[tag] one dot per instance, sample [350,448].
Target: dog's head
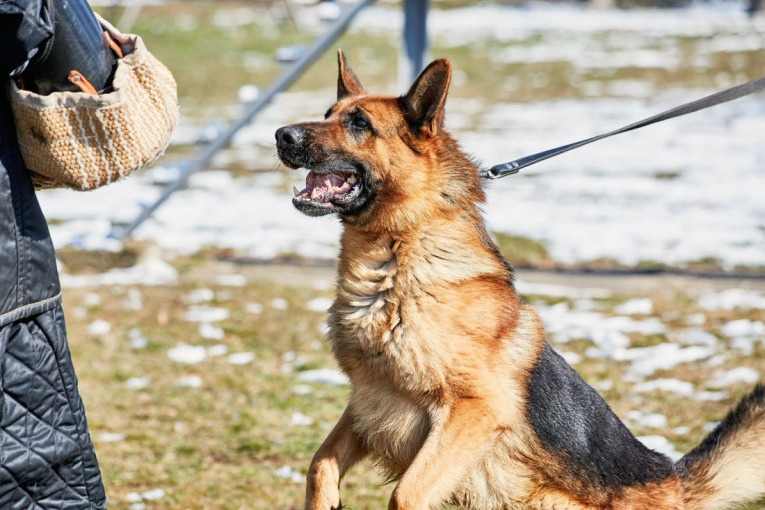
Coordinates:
[381,162]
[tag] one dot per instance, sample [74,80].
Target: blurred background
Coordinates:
[199,337]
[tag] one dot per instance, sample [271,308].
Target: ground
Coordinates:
[195,394]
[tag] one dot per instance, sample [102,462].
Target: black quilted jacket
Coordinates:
[46,456]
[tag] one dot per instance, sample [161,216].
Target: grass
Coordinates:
[219,445]
[522,251]
[216,446]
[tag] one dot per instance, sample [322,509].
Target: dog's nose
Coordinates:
[289,136]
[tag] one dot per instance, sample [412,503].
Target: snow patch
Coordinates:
[323,376]
[150,272]
[320,304]
[204,313]
[190,354]
[289,473]
[638,306]
[736,375]
[662,445]
[189,381]
[241,358]
[99,327]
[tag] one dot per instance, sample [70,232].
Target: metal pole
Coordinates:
[413,54]
[283,81]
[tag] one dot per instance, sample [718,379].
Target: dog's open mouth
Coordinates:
[327,190]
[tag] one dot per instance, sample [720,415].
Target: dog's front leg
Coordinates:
[456,441]
[338,452]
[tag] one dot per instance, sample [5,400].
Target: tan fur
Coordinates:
[733,467]
[428,327]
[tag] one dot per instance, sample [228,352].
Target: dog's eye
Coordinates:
[360,123]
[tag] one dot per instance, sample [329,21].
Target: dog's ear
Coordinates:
[424,103]
[347,82]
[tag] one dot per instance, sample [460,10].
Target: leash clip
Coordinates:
[501,170]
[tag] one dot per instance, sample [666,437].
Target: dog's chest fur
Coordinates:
[386,322]
[388,334]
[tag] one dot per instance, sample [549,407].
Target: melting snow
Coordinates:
[571,358]
[652,420]
[711,396]
[648,360]
[153,494]
[189,381]
[731,299]
[695,336]
[324,376]
[736,375]
[320,304]
[743,344]
[137,383]
[204,313]
[279,304]
[253,308]
[232,280]
[696,319]
[302,389]
[99,327]
[110,437]
[137,340]
[744,327]
[677,386]
[134,300]
[184,353]
[288,472]
[548,289]
[217,350]
[210,332]
[662,445]
[299,419]
[710,426]
[132,497]
[241,358]
[640,306]
[200,296]
[91,299]
[608,333]
[151,272]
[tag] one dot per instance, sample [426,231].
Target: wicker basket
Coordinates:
[82,141]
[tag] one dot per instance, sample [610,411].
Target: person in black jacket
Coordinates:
[47,460]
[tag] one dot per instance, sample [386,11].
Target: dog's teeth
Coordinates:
[352,179]
[314,193]
[295,191]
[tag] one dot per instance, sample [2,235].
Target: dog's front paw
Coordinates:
[324,501]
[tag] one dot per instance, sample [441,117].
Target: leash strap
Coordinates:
[512,167]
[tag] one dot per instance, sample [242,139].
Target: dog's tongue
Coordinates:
[325,181]
[322,187]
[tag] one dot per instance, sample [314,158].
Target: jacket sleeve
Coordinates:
[24,26]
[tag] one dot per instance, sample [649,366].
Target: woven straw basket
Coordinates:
[82,141]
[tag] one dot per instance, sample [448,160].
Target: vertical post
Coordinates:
[754,6]
[413,53]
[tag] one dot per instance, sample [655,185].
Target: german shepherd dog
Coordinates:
[454,390]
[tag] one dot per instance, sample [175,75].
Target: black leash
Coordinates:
[505,169]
